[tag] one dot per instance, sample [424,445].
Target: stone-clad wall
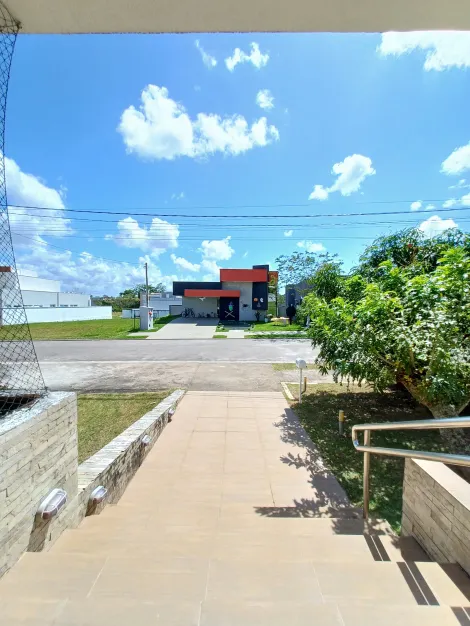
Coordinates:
[436,511]
[38,452]
[114,465]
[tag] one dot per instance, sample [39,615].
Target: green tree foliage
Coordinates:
[138,289]
[300,267]
[402,316]
[117,302]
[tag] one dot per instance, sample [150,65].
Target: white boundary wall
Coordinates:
[68,314]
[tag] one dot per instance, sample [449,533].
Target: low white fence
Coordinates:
[131,313]
[68,314]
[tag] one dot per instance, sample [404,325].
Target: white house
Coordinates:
[44,301]
[164,303]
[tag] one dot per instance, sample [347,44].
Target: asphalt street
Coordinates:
[232,365]
[195,350]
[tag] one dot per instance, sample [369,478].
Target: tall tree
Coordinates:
[299,267]
[136,291]
[409,323]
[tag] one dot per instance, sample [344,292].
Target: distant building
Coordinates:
[237,296]
[164,303]
[295,293]
[44,301]
[45,293]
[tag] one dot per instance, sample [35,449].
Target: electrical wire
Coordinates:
[192,216]
[46,243]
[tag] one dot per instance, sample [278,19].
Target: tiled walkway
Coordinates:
[231,521]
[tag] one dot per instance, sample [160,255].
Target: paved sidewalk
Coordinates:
[232,520]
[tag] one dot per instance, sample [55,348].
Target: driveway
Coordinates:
[183,328]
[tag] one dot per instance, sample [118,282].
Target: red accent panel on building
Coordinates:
[245,276]
[211,293]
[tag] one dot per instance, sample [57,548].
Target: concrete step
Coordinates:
[120,612]
[218,573]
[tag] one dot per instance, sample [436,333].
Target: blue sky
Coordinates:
[175,125]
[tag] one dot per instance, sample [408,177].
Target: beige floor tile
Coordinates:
[241,413]
[241,425]
[374,583]
[117,612]
[262,582]
[29,612]
[356,615]
[158,563]
[220,613]
[148,586]
[448,582]
[47,576]
[211,424]
[216,410]
[235,403]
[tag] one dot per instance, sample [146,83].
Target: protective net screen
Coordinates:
[21,380]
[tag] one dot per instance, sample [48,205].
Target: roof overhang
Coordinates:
[183,16]
[244,276]
[211,293]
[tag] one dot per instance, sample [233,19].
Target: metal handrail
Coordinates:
[367,449]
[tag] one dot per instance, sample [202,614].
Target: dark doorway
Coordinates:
[229,309]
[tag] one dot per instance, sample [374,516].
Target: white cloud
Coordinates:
[153,238]
[288,233]
[162,129]
[86,273]
[208,60]
[265,99]
[184,264]
[217,250]
[319,193]
[435,226]
[256,57]
[310,246]
[245,254]
[211,267]
[28,190]
[465,200]
[415,206]
[351,174]
[450,203]
[444,49]
[429,207]
[462,184]
[458,161]
[177,196]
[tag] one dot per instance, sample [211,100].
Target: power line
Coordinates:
[163,229]
[46,243]
[192,216]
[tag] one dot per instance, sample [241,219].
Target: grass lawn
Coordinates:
[280,367]
[319,416]
[103,416]
[219,337]
[115,328]
[277,327]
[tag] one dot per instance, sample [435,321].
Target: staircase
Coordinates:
[233,521]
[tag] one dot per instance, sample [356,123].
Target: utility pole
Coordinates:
[147,283]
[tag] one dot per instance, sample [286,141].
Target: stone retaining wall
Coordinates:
[436,511]
[115,464]
[38,452]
